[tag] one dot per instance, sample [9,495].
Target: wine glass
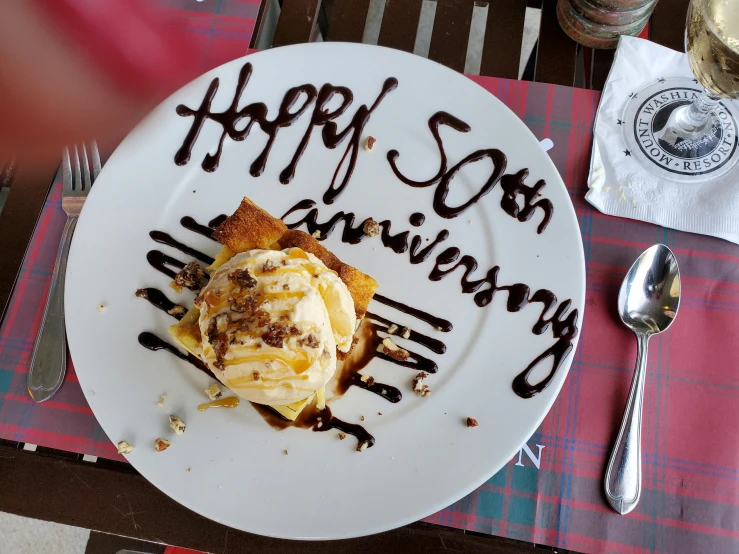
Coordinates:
[680,131]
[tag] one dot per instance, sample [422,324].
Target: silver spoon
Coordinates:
[648,303]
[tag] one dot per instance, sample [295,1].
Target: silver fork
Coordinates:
[49,360]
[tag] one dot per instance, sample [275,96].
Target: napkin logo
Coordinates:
[663,147]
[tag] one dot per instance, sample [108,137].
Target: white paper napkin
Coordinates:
[619,185]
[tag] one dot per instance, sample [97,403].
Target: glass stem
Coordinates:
[694,119]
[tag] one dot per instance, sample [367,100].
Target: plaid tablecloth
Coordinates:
[551,492]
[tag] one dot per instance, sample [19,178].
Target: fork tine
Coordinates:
[66,171]
[96,165]
[76,171]
[86,179]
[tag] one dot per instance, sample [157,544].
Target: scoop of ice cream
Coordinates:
[271,323]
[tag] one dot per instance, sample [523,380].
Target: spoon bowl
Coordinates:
[650,293]
[647,303]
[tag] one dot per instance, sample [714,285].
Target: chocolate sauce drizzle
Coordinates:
[417,219]
[205,230]
[436,322]
[165,238]
[513,185]
[159,300]
[151,342]
[288,113]
[160,261]
[398,243]
[564,325]
[318,421]
[432,344]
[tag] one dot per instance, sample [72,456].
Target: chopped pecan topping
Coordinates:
[310,340]
[405,333]
[243,278]
[177,425]
[394,351]
[285,452]
[141,293]
[419,387]
[124,448]
[392,329]
[368,379]
[161,444]
[369,144]
[316,234]
[176,310]
[371,228]
[256,376]
[364,445]
[245,304]
[277,332]
[190,276]
[268,267]
[342,436]
[472,422]
[361,418]
[217,326]
[214,392]
[274,335]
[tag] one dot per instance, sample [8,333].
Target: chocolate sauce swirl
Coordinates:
[206,230]
[159,300]
[295,102]
[160,261]
[436,322]
[165,238]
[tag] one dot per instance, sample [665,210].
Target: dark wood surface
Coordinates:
[395,32]
[508,15]
[111,497]
[451,32]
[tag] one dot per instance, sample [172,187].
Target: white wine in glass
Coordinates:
[712,43]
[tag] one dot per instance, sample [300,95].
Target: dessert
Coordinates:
[278,311]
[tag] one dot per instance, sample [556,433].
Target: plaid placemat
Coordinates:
[551,492]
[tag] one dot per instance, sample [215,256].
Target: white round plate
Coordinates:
[230,465]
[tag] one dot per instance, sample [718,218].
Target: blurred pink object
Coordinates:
[71,70]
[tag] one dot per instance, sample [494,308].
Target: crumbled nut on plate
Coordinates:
[161,400]
[368,379]
[405,332]
[102,307]
[393,350]
[362,446]
[419,387]
[177,309]
[124,448]
[214,392]
[161,444]
[316,234]
[177,425]
[285,451]
[371,228]
[472,422]
[369,144]
[342,436]
[142,293]
[392,329]
[361,418]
